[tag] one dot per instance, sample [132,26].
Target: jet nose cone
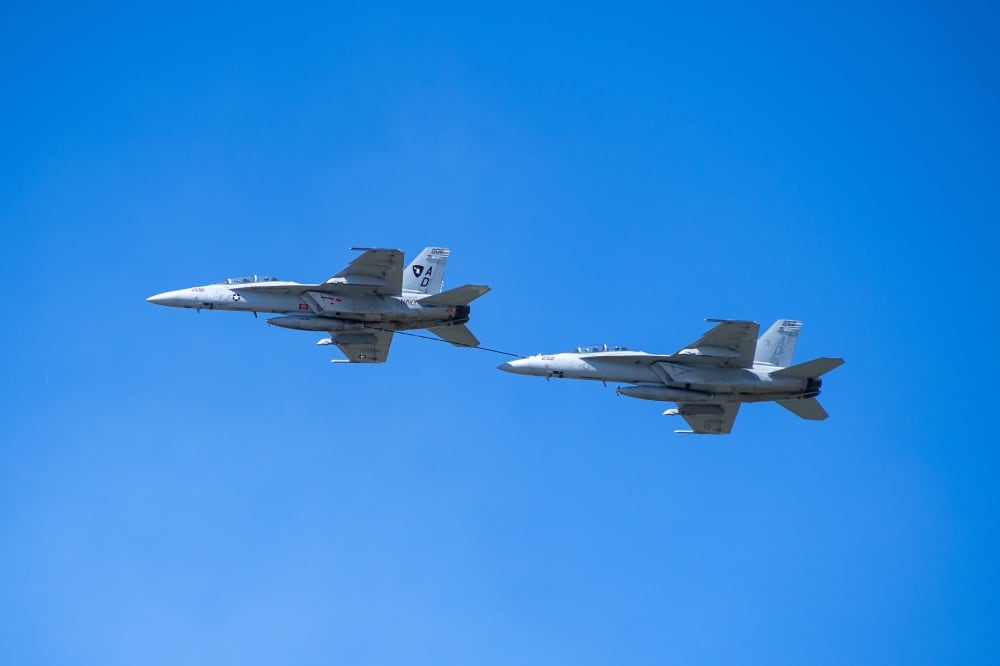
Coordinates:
[518,366]
[171,298]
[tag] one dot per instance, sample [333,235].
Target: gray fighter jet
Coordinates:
[708,379]
[360,307]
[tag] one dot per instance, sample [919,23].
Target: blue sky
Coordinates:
[203,489]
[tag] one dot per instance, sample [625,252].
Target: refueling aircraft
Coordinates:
[360,307]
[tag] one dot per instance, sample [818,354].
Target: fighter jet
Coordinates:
[708,379]
[360,307]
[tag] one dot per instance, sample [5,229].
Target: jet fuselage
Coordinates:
[666,381]
[303,304]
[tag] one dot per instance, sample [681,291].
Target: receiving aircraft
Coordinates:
[360,307]
[708,379]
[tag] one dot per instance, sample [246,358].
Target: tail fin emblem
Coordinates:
[418,270]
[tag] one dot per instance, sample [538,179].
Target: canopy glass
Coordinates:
[250,279]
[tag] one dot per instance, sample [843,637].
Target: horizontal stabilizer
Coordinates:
[810,369]
[808,408]
[460,335]
[458,296]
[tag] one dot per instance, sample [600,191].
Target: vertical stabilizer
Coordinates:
[425,274]
[777,345]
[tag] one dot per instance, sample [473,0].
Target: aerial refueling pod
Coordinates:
[323,324]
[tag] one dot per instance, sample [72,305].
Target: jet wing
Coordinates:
[377,271]
[731,343]
[366,346]
[707,419]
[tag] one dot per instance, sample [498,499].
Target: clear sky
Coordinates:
[182,488]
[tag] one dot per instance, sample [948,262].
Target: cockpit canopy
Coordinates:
[250,279]
[599,348]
